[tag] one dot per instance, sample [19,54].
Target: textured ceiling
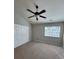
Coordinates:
[54,10]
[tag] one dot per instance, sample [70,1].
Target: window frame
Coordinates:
[53,35]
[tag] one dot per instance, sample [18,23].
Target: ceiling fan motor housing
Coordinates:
[36,13]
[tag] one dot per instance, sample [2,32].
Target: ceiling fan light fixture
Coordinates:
[36,14]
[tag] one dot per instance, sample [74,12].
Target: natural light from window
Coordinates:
[52,31]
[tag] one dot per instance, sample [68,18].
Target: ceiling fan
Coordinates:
[36,14]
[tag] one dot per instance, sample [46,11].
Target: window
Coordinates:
[53,31]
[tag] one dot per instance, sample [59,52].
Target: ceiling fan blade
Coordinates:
[42,11]
[42,16]
[31,16]
[36,6]
[30,11]
[36,18]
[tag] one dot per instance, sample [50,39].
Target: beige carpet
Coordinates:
[35,50]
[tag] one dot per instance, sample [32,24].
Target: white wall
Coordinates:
[38,34]
[22,31]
